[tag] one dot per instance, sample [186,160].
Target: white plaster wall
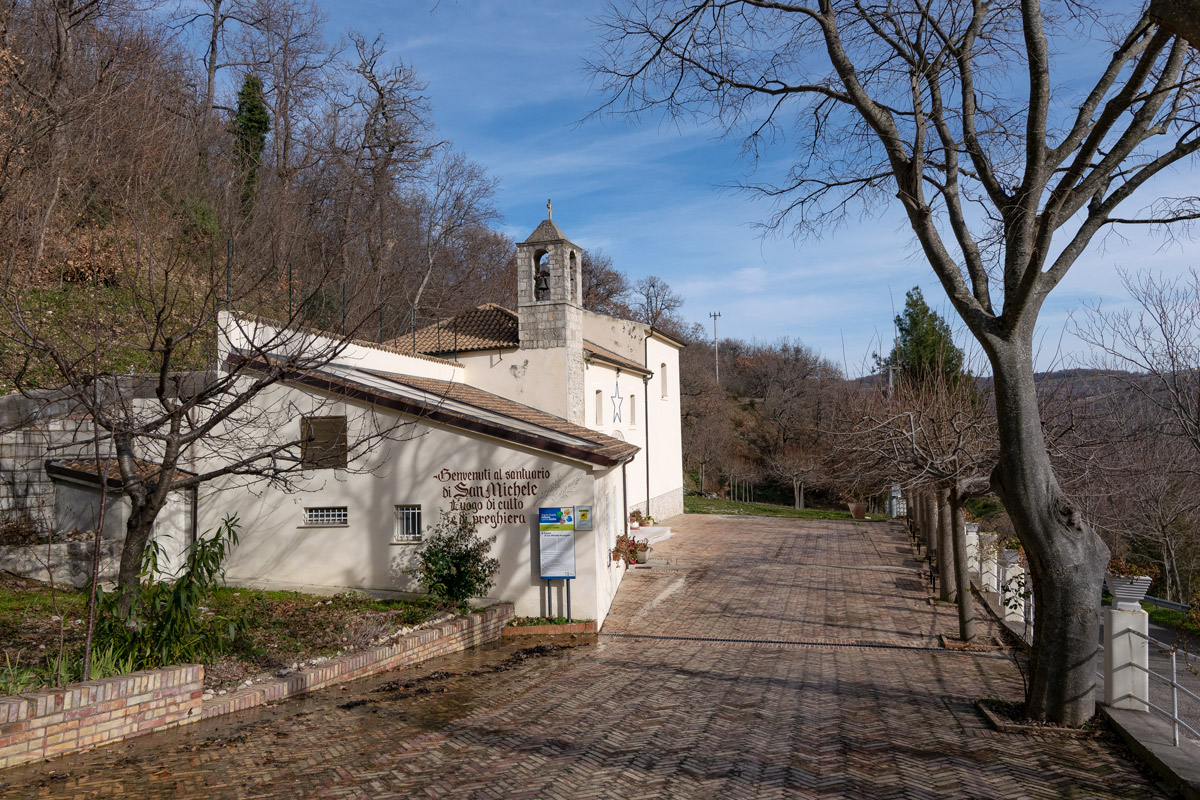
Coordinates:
[622,336]
[665,440]
[239,332]
[276,549]
[535,377]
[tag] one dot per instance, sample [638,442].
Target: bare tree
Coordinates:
[655,303]
[1160,341]
[1004,185]
[606,290]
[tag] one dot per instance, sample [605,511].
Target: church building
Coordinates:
[496,412]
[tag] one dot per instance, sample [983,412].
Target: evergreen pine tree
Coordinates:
[924,344]
[251,123]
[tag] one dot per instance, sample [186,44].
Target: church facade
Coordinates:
[496,412]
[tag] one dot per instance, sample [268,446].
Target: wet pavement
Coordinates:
[763,658]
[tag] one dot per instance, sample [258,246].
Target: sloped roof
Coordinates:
[486,327]
[601,444]
[594,351]
[456,405]
[492,327]
[546,231]
[88,470]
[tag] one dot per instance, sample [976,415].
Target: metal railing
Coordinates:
[1173,682]
[1158,601]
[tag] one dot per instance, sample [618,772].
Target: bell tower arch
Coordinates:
[550,302]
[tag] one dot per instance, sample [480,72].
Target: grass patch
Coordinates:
[693,504]
[1170,618]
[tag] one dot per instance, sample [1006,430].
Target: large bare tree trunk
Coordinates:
[966,600]
[945,556]
[1066,558]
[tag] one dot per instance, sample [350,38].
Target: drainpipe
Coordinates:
[646,425]
[195,505]
[625,493]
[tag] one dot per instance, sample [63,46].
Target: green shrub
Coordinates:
[167,624]
[453,565]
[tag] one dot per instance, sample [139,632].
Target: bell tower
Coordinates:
[550,303]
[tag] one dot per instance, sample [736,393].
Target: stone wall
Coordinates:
[71,562]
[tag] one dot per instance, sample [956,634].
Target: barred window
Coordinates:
[327,516]
[408,525]
[323,442]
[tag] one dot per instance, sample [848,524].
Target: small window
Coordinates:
[662,374]
[633,409]
[408,525]
[323,442]
[599,407]
[326,516]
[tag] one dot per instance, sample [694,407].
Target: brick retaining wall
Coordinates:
[81,716]
[450,637]
[85,715]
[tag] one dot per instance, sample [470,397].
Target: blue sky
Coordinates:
[508,87]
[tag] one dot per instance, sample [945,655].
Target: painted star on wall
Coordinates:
[617,400]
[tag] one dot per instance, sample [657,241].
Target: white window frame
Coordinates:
[407,523]
[326,517]
[599,407]
[662,372]
[633,410]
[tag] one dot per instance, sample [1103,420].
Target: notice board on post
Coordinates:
[556,542]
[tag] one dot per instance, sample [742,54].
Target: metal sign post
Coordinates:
[556,551]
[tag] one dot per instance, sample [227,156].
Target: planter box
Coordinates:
[1127,592]
[549,630]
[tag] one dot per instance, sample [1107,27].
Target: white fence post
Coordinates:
[1126,658]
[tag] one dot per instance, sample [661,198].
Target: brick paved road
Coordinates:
[789,703]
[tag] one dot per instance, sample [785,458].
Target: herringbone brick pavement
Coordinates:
[767,659]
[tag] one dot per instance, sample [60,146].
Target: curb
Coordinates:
[1149,737]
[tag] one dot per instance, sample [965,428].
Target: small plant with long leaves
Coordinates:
[167,624]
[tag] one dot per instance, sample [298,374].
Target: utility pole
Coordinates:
[716,344]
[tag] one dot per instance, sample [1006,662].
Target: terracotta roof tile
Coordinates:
[593,350]
[486,327]
[87,469]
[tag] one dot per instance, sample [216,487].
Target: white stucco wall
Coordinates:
[534,377]
[665,442]
[239,332]
[622,336]
[277,549]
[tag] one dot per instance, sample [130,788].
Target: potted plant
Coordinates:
[630,550]
[1128,582]
[635,519]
